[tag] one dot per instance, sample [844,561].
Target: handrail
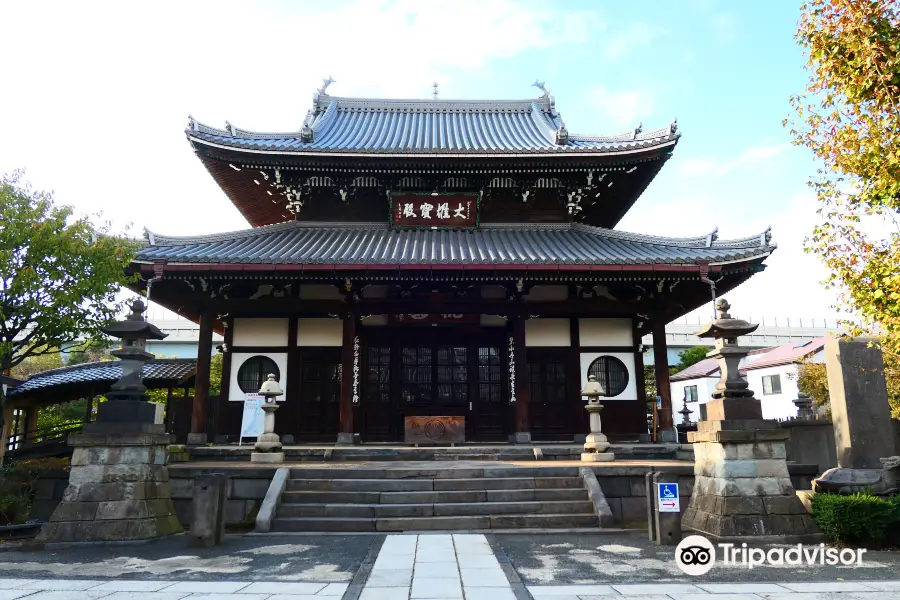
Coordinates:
[18,441]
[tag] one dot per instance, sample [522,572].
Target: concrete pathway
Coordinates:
[408,567]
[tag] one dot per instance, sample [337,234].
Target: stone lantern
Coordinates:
[268,446]
[118,482]
[742,488]
[127,408]
[595,444]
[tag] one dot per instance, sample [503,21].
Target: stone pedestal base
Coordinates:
[267,457]
[348,439]
[196,439]
[118,490]
[742,488]
[597,456]
[521,437]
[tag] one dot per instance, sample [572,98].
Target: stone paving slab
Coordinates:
[561,559]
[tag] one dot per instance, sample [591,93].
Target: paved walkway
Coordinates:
[408,567]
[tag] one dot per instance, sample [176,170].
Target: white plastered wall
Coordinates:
[238,358]
[605,332]
[627,358]
[776,406]
[705,388]
[547,333]
[320,332]
[260,332]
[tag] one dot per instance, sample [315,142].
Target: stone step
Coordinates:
[425,485]
[431,497]
[287,524]
[430,472]
[429,510]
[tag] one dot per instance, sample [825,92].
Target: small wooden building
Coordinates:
[438,258]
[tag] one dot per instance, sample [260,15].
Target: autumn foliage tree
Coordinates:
[850,118]
[60,275]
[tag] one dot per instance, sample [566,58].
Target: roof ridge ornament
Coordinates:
[638,130]
[192,124]
[541,85]
[562,136]
[325,83]
[229,128]
[673,127]
[434,91]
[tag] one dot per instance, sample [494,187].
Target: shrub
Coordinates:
[858,519]
[17,486]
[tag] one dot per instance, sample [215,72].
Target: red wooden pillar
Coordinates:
[523,393]
[661,368]
[201,381]
[349,374]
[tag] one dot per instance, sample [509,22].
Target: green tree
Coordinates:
[849,118]
[36,364]
[91,351]
[59,275]
[689,357]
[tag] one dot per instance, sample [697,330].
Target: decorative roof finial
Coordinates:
[325,84]
[673,127]
[434,91]
[541,85]
[229,128]
[722,307]
[192,125]
[638,130]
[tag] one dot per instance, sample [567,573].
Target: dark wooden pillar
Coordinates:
[523,393]
[349,378]
[201,382]
[661,368]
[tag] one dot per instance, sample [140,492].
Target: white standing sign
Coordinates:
[253,418]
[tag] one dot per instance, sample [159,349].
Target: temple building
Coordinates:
[458,258]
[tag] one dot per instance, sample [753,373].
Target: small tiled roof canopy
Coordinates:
[449,127]
[9,381]
[361,244]
[69,383]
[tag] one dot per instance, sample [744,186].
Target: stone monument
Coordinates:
[742,489]
[118,483]
[595,444]
[268,445]
[861,417]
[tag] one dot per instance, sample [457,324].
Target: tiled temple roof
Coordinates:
[299,243]
[160,372]
[460,127]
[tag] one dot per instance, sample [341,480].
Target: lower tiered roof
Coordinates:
[376,244]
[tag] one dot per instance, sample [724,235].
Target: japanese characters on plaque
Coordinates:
[512,371]
[438,211]
[356,370]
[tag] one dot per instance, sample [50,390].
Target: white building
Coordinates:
[771,373]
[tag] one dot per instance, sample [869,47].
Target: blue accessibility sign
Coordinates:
[667,497]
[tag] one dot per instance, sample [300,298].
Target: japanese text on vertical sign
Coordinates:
[436,211]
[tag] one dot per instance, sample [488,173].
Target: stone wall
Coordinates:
[623,487]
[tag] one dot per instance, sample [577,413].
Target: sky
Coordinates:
[96,96]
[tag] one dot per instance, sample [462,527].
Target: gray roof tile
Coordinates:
[298,243]
[161,370]
[370,126]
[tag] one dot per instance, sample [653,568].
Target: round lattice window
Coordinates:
[254,371]
[611,373]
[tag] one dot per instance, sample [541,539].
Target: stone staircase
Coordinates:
[385,498]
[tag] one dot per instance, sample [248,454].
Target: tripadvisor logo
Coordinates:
[696,555]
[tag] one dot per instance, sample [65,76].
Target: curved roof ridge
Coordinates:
[173,240]
[540,118]
[700,241]
[436,104]
[90,365]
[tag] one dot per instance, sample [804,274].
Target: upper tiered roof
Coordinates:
[355,126]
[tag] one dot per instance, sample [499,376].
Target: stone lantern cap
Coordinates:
[270,387]
[592,388]
[725,326]
[134,326]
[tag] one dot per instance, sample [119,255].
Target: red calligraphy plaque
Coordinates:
[411,210]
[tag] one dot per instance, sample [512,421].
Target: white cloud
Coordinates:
[622,108]
[99,97]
